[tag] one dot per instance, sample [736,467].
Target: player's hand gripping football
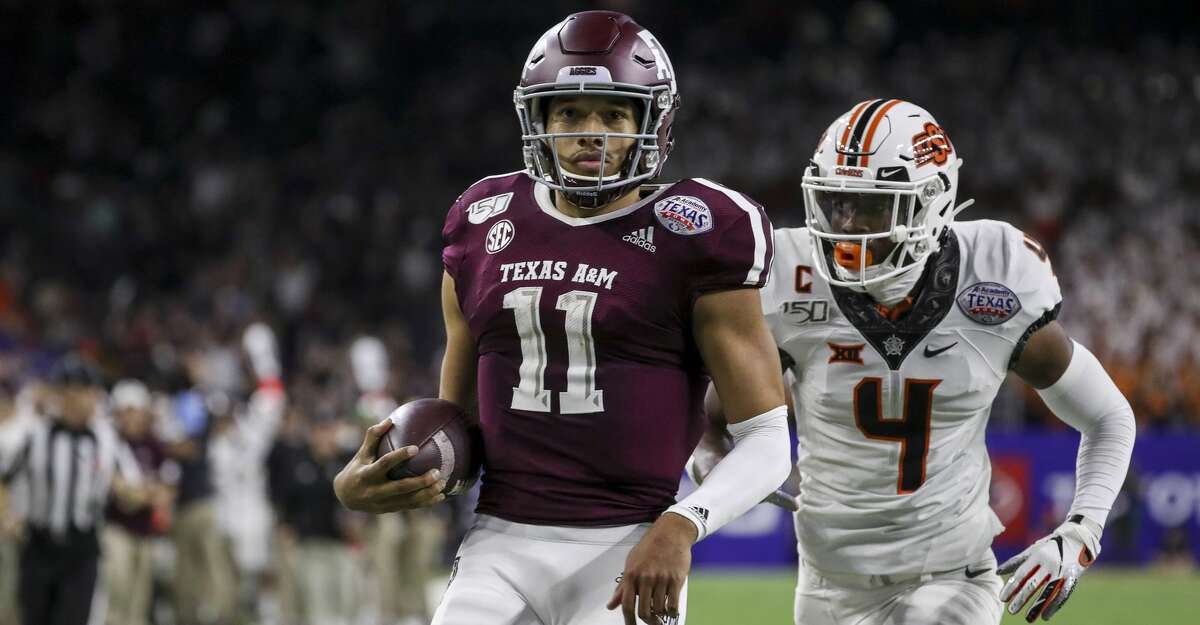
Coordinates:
[363,483]
[655,572]
[1054,563]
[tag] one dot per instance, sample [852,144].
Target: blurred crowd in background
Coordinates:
[171,173]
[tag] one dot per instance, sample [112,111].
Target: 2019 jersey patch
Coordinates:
[483,210]
[684,214]
[801,312]
[989,303]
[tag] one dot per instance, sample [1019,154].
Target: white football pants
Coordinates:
[946,598]
[509,573]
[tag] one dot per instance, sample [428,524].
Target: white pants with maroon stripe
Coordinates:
[509,573]
[946,598]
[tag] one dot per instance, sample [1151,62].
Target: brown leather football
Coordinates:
[445,439]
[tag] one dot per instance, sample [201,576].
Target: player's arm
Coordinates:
[268,402]
[460,362]
[363,483]
[745,367]
[130,490]
[744,363]
[1077,389]
[11,525]
[716,442]
[733,339]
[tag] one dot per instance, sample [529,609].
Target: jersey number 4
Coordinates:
[911,430]
[531,393]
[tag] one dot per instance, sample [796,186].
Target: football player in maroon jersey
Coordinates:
[585,312]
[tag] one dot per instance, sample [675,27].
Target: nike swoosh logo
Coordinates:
[889,173]
[973,574]
[930,353]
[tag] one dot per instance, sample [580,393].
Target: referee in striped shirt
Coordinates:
[69,465]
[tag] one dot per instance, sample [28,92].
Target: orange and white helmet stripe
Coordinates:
[855,147]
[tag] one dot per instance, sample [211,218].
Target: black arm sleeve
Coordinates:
[1041,322]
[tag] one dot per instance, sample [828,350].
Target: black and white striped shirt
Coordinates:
[62,479]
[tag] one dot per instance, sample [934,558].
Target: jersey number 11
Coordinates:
[531,393]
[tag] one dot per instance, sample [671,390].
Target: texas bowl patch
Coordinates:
[989,303]
[684,214]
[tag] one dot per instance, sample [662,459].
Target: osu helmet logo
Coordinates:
[931,145]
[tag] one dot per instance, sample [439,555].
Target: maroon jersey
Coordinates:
[590,384]
[152,459]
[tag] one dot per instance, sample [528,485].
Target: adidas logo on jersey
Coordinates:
[642,237]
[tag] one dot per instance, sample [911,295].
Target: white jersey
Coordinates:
[891,415]
[238,457]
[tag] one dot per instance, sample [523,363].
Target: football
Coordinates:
[445,439]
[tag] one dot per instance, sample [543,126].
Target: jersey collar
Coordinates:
[934,297]
[541,194]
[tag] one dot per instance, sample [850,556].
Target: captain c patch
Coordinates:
[989,303]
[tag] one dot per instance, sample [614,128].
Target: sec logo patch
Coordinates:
[500,235]
[989,303]
[684,214]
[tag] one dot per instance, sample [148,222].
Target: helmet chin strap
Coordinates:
[960,208]
[588,180]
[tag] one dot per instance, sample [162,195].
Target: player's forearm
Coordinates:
[266,409]
[1086,398]
[129,497]
[758,463]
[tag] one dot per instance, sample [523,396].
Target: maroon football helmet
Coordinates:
[600,53]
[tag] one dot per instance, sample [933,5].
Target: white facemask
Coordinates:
[887,292]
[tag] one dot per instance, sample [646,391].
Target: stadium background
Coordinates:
[169,174]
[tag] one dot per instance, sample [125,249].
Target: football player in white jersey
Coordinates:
[899,325]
